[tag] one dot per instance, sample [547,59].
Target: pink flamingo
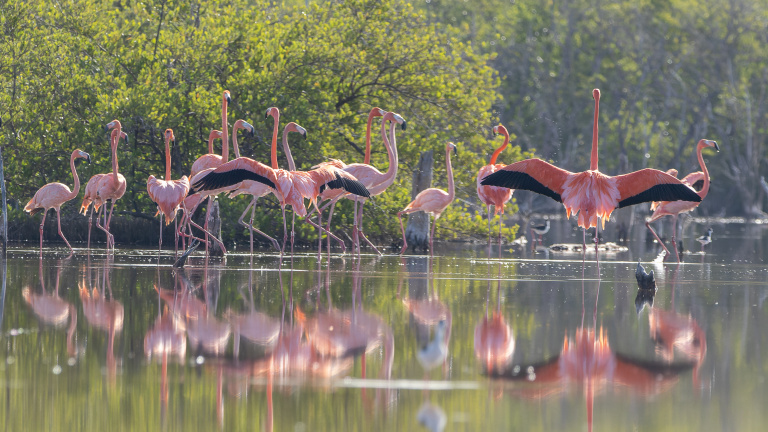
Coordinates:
[373,179]
[432,201]
[674,208]
[53,195]
[192,201]
[111,187]
[494,195]
[591,194]
[212,160]
[168,194]
[494,341]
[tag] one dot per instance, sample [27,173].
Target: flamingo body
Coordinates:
[168,195]
[494,342]
[493,195]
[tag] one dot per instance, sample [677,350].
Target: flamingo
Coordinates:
[111,187]
[494,195]
[591,194]
[212,160]
[53,195]
[432,201]
[167,194]
[193,201]
[494,341]
[674,208]
[373,179]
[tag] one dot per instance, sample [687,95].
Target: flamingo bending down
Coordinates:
[168,194]
[111,187]
[373,179]
[674,208]
[591,194]
[432,201]
[494,195]
[53,195]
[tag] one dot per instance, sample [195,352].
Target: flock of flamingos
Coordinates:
[590,194]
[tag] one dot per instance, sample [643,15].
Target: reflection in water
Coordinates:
[494,342]
[52,309]
[432,417]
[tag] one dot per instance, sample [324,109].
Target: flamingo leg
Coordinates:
[583,246]
[432,236]
[674,237]
[160,243]
[328,233]
[293,233]
[176,236]
[319,233]
[362,234]
[252,229]
[61,234]
[405,243]
[42,223]
[489,224]
[103,210]
[500,231]
[108,222]
[597,253]
[355,234]
[328,224]
[90,223]
[205,224]
[285,231]
[648,224]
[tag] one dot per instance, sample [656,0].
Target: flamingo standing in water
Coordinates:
[53,195]
[432,201]
[111,187]
[591,194]
[192,201]
[373,179]
[674,208]
[494,195]
[168,194]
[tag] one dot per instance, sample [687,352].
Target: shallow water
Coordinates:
[91,343]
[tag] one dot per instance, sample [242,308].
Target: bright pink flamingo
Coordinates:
[674,208]
[168,194]
[591,194]
[494,195]
[111,187]
[373,179]
[53,195]
[432,201]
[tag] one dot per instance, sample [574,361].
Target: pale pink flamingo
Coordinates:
[674,208]
[211,159]
[494,341]
[373,179]
[111,187]
[168,194]
[291,187]
[432,201]
[92,187]
[591,194]
[52,309]
[53,195]
[493,195]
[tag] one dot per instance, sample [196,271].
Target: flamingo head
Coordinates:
[451,145]
[710,143]
[113,124]
[293,127]
[215,134]
[124,136]
[394,117]
[169,136]
[226,98]
[376,112]
[500,130]
[272,111]
[81,154]
[242,124]
[596,94]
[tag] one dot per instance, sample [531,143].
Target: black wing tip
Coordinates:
[662,192]
[519,180]
[216,180]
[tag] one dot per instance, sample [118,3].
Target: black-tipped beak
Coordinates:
[717,147]
[229,99]
[455,151]
[173,142]
[493,131]
[88,158]
[305,134]
[106,128]
[402,126]
[251,132]
[266,115]
[126,139]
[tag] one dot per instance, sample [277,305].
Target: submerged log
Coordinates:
[417,232]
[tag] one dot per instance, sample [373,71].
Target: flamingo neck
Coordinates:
[291,163]
[391,150]
[224,132]
[367,158]
[449,170]
[76,188]
[593,158]
[276,116]
[705,190]
[210,144]
[499,150]
[114,158]
[235,146]
[167,160]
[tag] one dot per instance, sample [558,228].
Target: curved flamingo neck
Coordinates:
[167,159]
[287,149]
[449,169]
[235,146]
[391,150]
[224,131]
[593,158]
[705,190]
[500,149]
[76,188]
[367,158]
[276,116]
[115,166]
[211,137]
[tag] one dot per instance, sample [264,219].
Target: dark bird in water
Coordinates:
[646,285]
[705,239]
[540,228]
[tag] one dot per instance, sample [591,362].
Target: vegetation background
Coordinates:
[671,72]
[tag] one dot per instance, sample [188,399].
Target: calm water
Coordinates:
[532,341]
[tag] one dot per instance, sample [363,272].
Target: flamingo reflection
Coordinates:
[494,342]
[52,309]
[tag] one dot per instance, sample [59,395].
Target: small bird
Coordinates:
[540,229]
[434,353]
[646,288]
[705,239]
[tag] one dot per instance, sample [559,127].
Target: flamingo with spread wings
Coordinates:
[674,208]
[591,194]
[494,196]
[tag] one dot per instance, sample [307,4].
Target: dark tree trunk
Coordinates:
[417,233]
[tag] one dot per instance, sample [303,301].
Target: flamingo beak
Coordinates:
[88,157]
[493,131]
[717,147]
[266,114]
[229,99]
[455,151]
[304,133]
[403,125]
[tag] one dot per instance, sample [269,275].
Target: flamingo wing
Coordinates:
[534,175]
[234,172]
[694,180]
[342,180]
[649,185]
